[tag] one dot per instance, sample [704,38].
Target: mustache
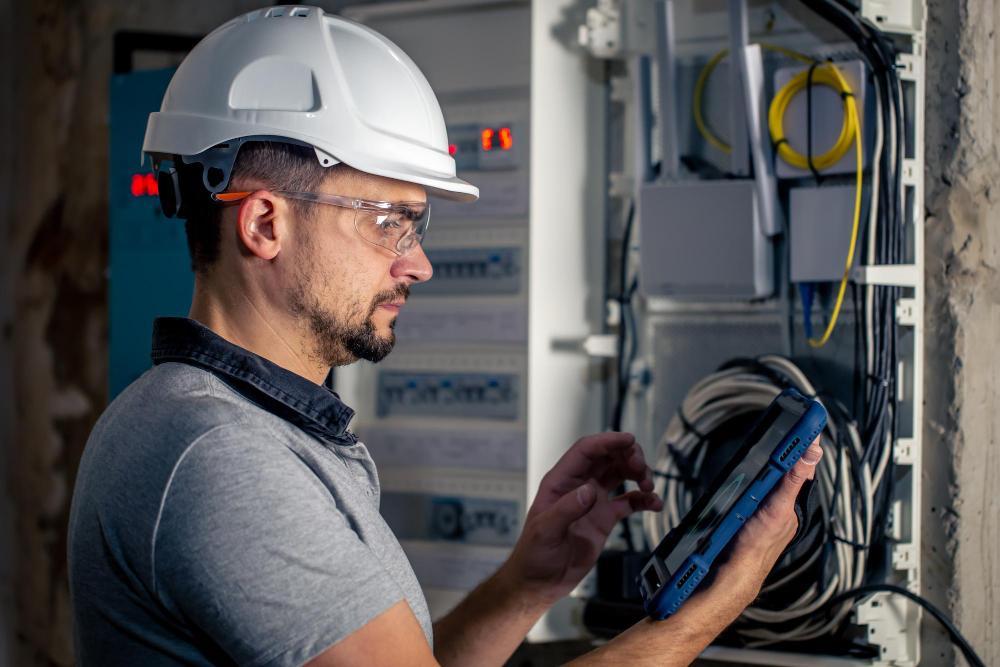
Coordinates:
[401,291]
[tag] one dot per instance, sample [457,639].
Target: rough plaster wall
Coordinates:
[962,509]
[6,358]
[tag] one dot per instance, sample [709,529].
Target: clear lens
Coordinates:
[399,228]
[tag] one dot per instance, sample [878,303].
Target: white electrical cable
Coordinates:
[873,223]
[846,506]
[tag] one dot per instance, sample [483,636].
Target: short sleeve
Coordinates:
[250,547]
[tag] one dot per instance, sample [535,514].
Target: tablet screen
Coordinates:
[729,485]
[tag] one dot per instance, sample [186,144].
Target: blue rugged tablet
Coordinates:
[774,444]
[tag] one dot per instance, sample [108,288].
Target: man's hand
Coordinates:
[734,581]
[755,549]
[573,513]
[563,535]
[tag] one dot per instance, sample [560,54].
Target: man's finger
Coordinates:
[784,493]
[555,521]
[591,455]
[635,501]
[629,464]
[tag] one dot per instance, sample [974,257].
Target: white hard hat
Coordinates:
[300,75]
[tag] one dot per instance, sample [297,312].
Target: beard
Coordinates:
[340,340]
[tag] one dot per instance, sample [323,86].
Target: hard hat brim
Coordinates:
[452,189]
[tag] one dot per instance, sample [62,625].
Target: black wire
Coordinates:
[877,390]
[633,330]
[860,348]
[840,416]
[809,124]
[626,334]
[624,298]
[880,423]
[956,636]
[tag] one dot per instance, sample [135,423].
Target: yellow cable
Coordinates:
[699,90]
[851,110]
[827,75]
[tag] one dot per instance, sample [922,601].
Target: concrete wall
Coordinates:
[961,517]
[6,358]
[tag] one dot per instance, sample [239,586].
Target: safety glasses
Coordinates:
[399,227]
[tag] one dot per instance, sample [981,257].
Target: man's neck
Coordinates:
[243,320]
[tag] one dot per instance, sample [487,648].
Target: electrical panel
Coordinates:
[444,416]
[480,397]
[471,271]
[479,147]
[453,519]
[454,395]
[149,272]
[456,525]
[680,81]
[479,291]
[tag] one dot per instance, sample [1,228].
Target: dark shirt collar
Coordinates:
[312,407]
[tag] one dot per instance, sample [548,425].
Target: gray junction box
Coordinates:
[820,221]
[703,240]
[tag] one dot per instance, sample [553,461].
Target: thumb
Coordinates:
[788,486]
[554,522]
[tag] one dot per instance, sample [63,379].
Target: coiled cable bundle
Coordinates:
[829,564]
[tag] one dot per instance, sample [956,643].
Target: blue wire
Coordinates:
[808,292]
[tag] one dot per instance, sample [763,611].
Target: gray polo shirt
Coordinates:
[224,515]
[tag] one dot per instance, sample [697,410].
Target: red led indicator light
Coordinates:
[144,184]
[138,185]
[452,149]
[504,135]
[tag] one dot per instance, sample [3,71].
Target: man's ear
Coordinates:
[258,225]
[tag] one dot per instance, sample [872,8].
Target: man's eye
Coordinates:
[388,222]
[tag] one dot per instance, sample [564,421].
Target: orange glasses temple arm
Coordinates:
[230,196]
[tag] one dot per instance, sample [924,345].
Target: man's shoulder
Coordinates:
[174,403]
[171,414]
[151,426]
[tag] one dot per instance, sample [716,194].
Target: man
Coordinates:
[223,513]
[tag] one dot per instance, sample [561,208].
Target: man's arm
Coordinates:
[679,639]
[734,582]
[486,627]
[393,637]
[489,624]
[564,532]
[560,544]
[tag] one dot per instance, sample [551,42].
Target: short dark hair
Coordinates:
[265,164]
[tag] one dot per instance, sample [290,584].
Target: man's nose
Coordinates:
[413,267]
